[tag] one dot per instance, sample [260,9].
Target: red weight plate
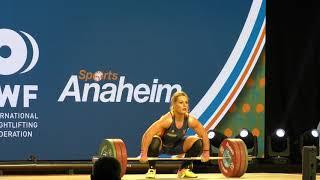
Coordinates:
[124,156]
[117,146]
[244,157]
[231,162]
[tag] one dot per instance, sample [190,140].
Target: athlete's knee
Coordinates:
[196,149]
[154,147]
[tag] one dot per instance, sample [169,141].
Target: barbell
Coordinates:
[232,157]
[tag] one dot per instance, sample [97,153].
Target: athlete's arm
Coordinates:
[156,128]
[200,131]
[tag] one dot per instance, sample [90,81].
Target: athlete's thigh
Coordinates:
[188,142]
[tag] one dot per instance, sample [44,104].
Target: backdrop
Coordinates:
[75,72]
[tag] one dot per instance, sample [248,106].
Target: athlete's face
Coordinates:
[181,106]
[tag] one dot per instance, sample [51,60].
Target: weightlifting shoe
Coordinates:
[151,174]
[186,173]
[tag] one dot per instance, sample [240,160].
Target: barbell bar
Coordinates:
[182,158]
[175,158]
[168,158]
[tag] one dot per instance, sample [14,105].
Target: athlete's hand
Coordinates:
[205,156]
[143,157]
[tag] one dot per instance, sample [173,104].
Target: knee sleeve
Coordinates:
[196,149]
[154,147]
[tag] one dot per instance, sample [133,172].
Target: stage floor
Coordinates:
[249,176]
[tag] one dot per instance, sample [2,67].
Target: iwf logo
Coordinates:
[13,63]
[18,52]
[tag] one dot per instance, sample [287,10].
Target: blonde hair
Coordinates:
[175,96]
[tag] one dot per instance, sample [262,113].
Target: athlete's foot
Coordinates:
[186,173]
[151,174]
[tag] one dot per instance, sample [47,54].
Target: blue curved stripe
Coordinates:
[237,69]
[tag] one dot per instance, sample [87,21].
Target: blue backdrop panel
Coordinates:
[144,44]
